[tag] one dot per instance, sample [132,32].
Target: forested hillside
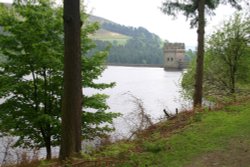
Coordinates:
[129,45]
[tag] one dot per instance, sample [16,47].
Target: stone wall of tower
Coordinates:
[174,54]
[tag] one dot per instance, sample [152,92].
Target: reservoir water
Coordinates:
[156,88]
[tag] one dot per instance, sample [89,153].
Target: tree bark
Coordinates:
[72,99]
[200,56]
[48,148]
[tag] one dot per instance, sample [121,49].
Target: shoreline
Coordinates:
[136,65]
[145,65]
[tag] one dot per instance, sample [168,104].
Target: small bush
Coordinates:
[117,150]
[154,147]
[197,117]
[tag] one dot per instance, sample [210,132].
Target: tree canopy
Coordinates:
[226,70]
[31,76]
[196,11]
[189,8]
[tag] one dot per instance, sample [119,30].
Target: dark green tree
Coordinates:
[195,9]
[31,76]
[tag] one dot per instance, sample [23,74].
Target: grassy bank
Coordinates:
[218,138]
[210,138]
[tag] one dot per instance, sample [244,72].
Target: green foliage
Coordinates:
[154,146]
[142,47]
[196,11]
[2,58]
[187,82]
[117,150]
[222,131]
[197,117]
[190,54]
[226,62]
[31,78]
[189,8]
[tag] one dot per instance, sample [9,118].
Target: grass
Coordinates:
[211,138]
[112,37]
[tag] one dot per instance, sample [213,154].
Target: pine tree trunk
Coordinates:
[200,55]
[72,99]
[48,148]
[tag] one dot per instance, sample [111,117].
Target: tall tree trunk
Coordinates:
[72,99]
[48,148]
[47,135]
[200,55]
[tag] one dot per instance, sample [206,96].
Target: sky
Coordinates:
[146,13]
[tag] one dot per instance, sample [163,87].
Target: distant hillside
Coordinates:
[111,30]
[104,34]
[101,20]
[130,45]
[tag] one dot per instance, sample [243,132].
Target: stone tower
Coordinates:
[174,54]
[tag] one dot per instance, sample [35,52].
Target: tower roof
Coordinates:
[175,45]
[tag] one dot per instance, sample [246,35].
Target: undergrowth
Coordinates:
[178,142]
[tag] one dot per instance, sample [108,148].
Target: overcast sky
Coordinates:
[146,13]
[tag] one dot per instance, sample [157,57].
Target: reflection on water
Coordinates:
[158,89]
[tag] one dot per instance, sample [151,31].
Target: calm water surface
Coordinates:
[158,89]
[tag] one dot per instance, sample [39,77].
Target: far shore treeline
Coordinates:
[129,45]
